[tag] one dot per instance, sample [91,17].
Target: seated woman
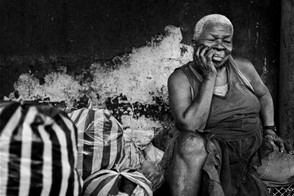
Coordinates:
[226,143]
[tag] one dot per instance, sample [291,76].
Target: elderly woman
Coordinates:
[225,117]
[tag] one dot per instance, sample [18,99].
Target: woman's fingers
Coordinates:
[271,140]
[289,147]
[198,50]
[197,55]
[203,57]
[209,56]
[280,144]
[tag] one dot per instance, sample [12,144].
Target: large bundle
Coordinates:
[37,151]
[110,182]
[151,167]
[135,142]
[100,140]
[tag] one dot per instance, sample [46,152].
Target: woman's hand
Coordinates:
[203,58]
[277,143]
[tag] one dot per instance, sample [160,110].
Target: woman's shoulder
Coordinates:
[247,68]
[186,73]
[243,63]
[177,76]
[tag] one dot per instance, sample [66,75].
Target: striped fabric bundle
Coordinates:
[38,151]
[100,140]
[109,182]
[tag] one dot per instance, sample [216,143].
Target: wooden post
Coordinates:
[286,71]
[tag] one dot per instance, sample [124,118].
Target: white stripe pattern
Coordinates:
[64,158]
[79,124]
[4,149]
[26,151]
[114,148]
[99,177]
[97,133]
[96,181]
[71,127]
[106,188]
[47,161]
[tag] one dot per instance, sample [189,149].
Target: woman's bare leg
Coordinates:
[185,171]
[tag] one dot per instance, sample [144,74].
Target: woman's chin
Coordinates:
[218,64]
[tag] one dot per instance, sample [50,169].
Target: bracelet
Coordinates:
[274,128]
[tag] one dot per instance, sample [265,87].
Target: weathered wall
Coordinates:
[109,49]
[286,87]
[133,86]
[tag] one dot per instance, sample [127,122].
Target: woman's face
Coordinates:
[217,37]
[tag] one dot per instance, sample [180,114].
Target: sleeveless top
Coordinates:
[235,115]
[233,134]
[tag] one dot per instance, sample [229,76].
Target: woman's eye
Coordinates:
[227,41]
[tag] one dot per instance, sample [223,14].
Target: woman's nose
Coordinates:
[219,45]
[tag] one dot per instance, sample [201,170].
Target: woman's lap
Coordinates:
[277,168]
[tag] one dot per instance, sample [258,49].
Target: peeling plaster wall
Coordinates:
[133,86]
[119,53]
[137,78]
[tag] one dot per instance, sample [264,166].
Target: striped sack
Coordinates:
[110,182]
[100,140]
[38,151]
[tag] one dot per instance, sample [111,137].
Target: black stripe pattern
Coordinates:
[113,182]
[38,151]
[100,138]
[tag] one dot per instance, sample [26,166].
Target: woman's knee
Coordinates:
[277,168]
[191,144]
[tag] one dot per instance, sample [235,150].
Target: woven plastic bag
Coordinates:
[151,167]
[38,153]
[100,140]
[135,143]
[117,182]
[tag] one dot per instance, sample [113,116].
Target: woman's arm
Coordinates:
[266,103]
[260,89]
[192,114]
[189,114]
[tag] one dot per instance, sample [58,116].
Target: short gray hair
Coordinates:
[212,18]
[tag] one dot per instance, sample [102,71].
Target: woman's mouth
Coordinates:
[217,58]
